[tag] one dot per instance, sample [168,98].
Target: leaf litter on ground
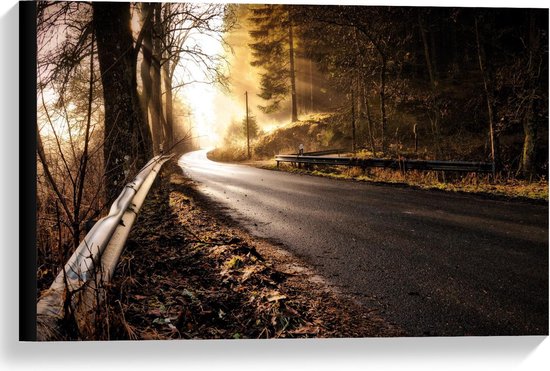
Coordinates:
[188,272]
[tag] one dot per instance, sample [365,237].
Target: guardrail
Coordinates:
[79,285]
[403,164]
[321,153]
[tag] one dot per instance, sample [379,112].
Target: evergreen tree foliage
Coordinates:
[253,127]
[273,52]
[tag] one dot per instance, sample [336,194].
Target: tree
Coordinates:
[535,93]
[273,51]
[253,129]
[488,78]
[69,179]
[387,38]
[434,101]
[512,51]
[147,59]
[158,122]
[180,32]
[127,138]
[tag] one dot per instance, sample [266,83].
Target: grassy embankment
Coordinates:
[329,131]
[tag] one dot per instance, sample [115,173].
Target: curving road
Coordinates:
[433,263]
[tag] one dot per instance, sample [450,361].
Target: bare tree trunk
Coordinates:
[147,49]
[369,119]
[433,55]
[82,169]
[435,118]
[489,97]
[529,142]
[415,132]
[50,177]
[529,121]
[353,102]
[157,117]
[127,139]
[169,108]
[311,86]
[455,71]
[382,93]
[382,79]
[294,105]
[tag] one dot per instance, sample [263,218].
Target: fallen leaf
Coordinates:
[306,330]
[154,312]
[276,298]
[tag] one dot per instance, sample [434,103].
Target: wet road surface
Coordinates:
[434,263]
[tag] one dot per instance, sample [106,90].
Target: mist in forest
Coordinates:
[312,93]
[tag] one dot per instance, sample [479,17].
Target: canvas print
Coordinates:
[262,171]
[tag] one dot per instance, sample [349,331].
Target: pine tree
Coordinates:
[273,51]
[253,128]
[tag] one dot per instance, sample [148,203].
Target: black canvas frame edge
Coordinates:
[27,171]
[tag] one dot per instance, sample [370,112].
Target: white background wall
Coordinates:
[481,353]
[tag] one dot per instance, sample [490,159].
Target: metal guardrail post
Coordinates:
[94,261]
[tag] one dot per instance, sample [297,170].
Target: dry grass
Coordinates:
[469,183]
[228,154]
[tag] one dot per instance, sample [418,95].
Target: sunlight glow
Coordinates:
[269,128]
[212,109]
[208,113]
[58,125]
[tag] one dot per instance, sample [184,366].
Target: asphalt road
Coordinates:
[433,263]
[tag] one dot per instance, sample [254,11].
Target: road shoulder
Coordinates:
[191,272]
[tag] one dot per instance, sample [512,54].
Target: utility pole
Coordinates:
[247,125]
[352,117]
[311,86]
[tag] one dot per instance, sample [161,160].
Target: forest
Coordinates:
[115,80]
[107,81]
[463,83]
